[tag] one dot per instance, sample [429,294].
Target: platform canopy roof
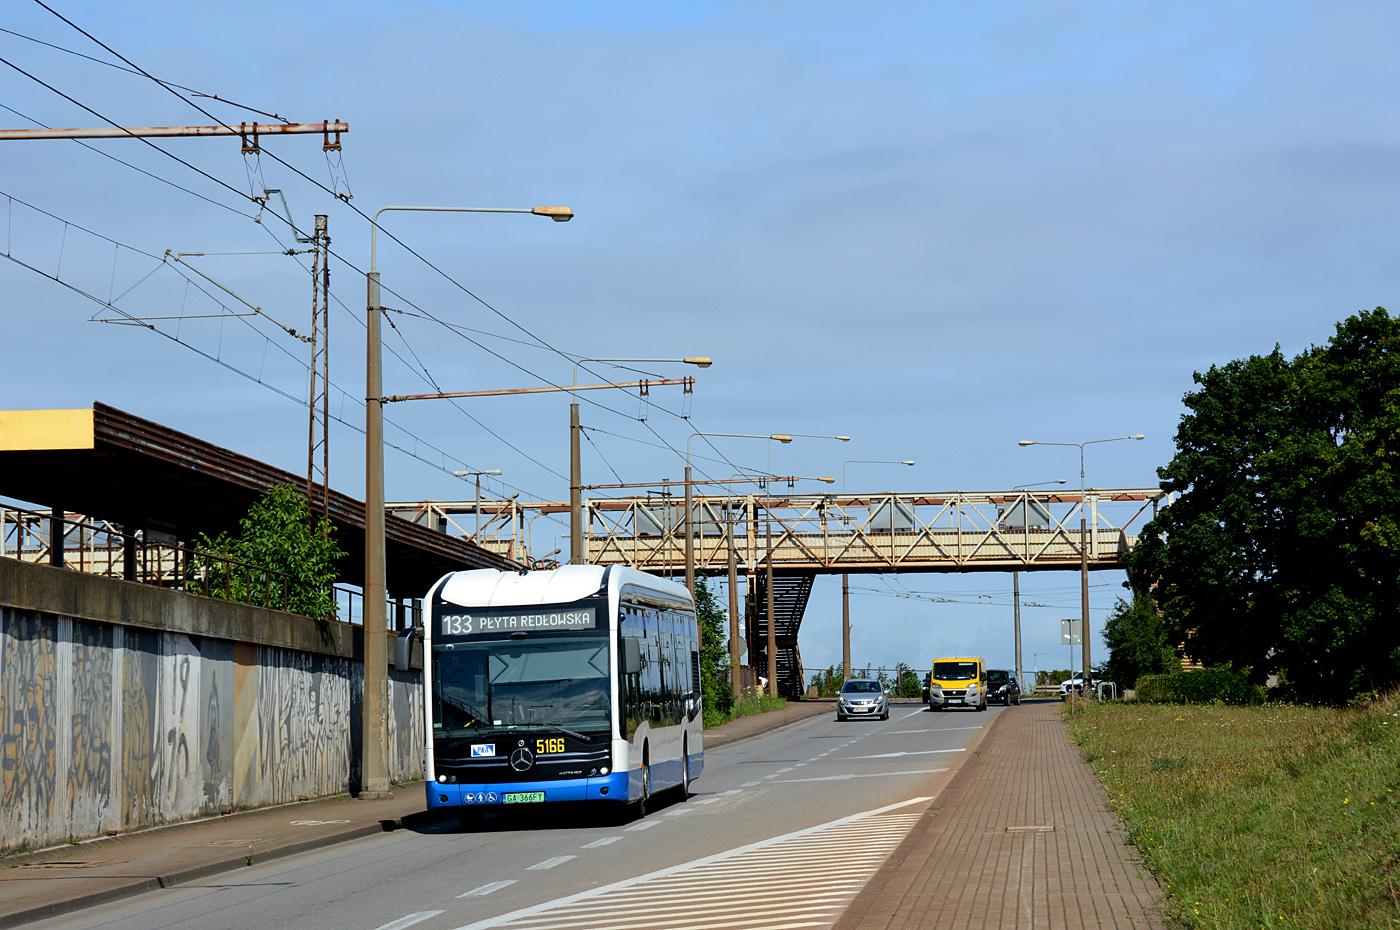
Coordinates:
[110,465]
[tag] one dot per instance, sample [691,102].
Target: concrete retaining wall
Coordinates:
[124,706]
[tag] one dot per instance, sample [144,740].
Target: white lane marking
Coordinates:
[873,832]
[549,863]
[644,825]
[487,889]
[678,812]
[799,765]
[605,841]
[785,771]
[734,791]
[774,775]
[790,781]
[916,752]
[749,784]
[932,730]
[908,715]
[710,800]
[404,922]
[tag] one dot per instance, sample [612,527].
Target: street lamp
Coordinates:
[846,577]
[576,554]
[374,760]
[1083,539]
[804,436]
[477,505]
[1016,577]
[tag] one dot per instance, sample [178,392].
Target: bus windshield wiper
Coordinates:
[554,726]
[567,732]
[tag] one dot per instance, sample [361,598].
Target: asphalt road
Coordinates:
[781,830]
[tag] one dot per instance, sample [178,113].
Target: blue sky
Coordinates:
[939,229]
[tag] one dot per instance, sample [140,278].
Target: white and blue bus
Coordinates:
[576,684]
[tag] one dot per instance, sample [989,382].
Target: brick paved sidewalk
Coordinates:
[1021,838]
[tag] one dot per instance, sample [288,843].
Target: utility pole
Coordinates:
[772,625]
[845,626]
[318,433]
[1016,608]
[735,653]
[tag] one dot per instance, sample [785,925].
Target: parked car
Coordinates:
[1076,681]
[1002,686]
[862,697]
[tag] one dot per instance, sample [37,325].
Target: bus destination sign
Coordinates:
[537,621]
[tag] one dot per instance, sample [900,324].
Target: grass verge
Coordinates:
[1274,816]
[746,708]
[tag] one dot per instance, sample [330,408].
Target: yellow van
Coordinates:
[960,681]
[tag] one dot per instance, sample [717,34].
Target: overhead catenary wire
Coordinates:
[168,87]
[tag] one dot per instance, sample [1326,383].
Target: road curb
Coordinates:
[724,741]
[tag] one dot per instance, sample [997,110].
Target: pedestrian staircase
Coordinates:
[790,594]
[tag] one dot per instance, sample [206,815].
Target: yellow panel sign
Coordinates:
[32,430]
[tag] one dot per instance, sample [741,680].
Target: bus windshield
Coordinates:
[559,682]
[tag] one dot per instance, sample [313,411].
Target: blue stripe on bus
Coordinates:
[566,789]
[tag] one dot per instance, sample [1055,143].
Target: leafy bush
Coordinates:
[1199,686]
[280,536]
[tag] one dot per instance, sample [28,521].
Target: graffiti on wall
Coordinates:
[140,686]
[28,742]
[303,713]
[124,727]
[90,768]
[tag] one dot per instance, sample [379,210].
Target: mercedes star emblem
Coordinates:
[522,759]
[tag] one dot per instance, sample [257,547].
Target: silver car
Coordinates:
[862,697]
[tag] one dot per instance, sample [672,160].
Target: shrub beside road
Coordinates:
[1277,816]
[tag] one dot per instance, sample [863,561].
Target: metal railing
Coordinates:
[949,531]
[100,547]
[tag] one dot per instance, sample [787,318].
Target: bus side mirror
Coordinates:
[631,655]
[403,648]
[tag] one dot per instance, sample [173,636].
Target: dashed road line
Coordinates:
[404,922]
[914,752]
[604,841]
[549,863]
[849,776]
[487,889]
[644,825]
[774,884]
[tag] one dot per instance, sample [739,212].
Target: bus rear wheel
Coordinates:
[645,799]
[684,792]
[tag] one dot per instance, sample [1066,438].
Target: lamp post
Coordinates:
[374,760]
[1083,539]
[477,504]
[845,576]
[1016,578]
[576,554]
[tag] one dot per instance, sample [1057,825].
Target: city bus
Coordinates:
[581,683]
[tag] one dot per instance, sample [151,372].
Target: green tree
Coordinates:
[1136,637]
[1283,550]
[714,651]
[278,535]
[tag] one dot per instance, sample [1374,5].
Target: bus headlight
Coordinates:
[603,770]
[445,779]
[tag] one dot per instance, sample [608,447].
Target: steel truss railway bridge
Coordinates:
[803,535]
